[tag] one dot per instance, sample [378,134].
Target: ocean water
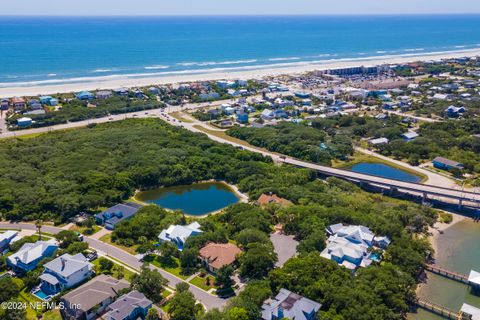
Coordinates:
[50,50]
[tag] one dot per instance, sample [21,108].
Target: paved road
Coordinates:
[208,300]
[445,193]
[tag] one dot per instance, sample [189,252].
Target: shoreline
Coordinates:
[249,72]
[434,240]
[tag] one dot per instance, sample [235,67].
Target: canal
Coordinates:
[197,199]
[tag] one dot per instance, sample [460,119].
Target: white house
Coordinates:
[65,272]
[178,235]
[267,114]
[5,239]
[378,141]
[349,245]
[30,254]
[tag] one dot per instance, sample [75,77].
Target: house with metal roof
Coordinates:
[131,306]
[349,245]
[65,272]
[30,254]
[289,305]
[409,136]
[84,95]
[178,235]
[6,238]
[446,164]
[112,216]
[92,298]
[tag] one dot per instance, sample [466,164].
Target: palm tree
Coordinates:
[38,225]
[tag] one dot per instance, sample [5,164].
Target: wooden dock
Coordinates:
[447,273]
[440,310]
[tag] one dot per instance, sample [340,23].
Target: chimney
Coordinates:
[63,263]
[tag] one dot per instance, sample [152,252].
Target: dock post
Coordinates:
[460,204]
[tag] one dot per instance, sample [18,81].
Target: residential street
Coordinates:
[208,300]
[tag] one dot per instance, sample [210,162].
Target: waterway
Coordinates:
[384,171]
[457,251]
[197,199]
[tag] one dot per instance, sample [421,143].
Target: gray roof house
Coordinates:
[117,213]
[289,305]
[91,299]
[65,272]
[130,306]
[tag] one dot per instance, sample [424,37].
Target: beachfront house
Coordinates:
[123,92]
[217,255]
[178,235]
[92,298]
[131,306]
[5,240]
[65,272]
[30,254]
[113,215]
[85,95]
[349,246]
[289,305]
[4,104]
[104,94]
[446,164]
[18,103]
[226,84]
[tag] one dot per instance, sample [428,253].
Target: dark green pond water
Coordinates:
[196,199]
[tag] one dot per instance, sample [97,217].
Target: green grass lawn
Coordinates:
[201,282]
[108,239]
[128,275]
[172,266]
[52,315]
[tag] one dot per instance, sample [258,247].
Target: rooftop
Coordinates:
[126,304]
[95,291]
[220,254]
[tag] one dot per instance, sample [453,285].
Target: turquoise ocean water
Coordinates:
[50,50]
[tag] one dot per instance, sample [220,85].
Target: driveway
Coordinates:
[285,247]
[208,300]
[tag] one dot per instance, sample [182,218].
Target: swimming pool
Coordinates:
[42,295]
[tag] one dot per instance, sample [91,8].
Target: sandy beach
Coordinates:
[440,227]
[250,72]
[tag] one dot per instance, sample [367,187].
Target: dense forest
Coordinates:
[56,175]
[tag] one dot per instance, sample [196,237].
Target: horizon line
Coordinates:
[236,15]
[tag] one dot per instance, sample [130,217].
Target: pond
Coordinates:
[197,199]
[384,171]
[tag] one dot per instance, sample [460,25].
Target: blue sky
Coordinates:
[231,7]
